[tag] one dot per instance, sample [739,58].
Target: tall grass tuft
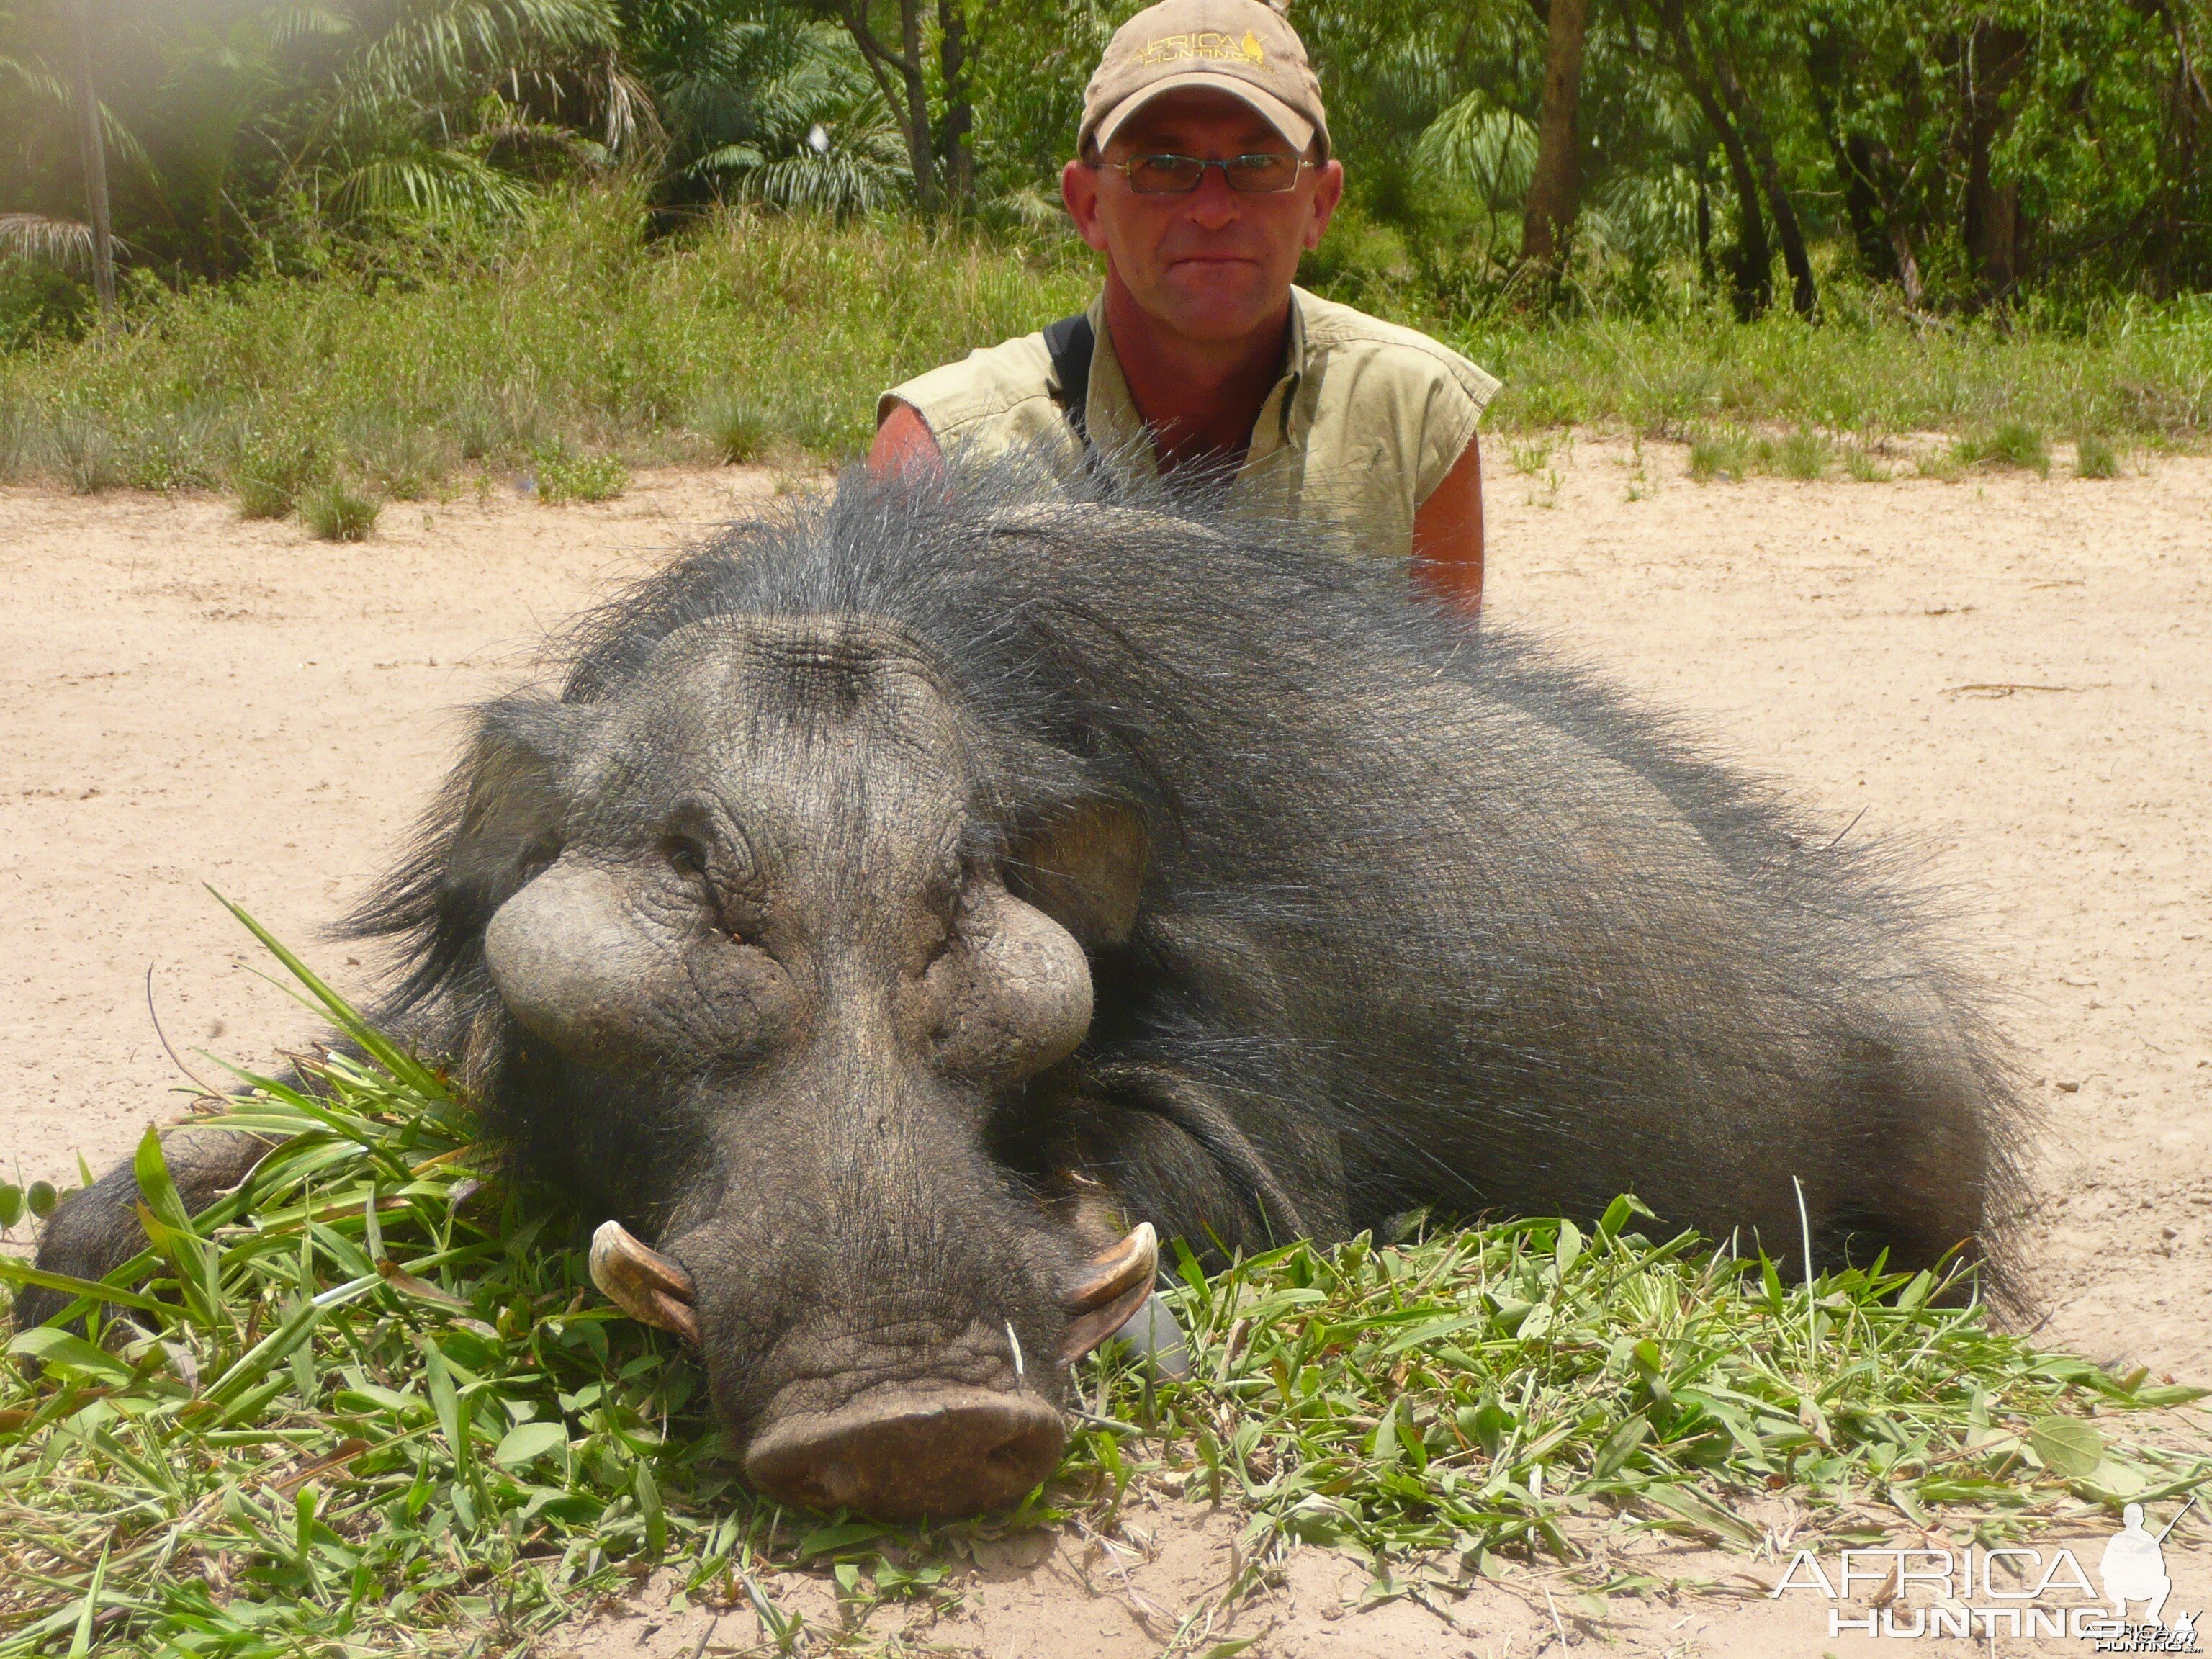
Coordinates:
[1720,455]
[371,1395]
[86,453]
[737,426]
[334,510]
[2009,444]
[1804,454]
[2095,457]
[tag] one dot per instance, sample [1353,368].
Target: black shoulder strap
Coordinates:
[1070,343]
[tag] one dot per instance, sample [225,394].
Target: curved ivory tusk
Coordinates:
[643,1283]
[1134,1261]
[1108,1297]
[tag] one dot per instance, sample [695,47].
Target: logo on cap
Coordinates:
[1212,44]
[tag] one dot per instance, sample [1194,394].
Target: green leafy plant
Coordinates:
[562,477]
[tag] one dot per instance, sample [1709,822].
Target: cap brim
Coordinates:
[1273,110]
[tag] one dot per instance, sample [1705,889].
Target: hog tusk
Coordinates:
[643,1283]
[1134,1261]
[1108,1297]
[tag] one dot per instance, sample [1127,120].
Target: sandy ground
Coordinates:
[2017,672]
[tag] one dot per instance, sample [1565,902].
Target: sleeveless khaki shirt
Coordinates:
[1364,422]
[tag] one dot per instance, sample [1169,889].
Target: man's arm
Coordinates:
[1447,532]
[904,443]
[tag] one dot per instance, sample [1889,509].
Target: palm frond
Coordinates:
[35,238]
[428,183]
[292,24]
[438,46]
[1488,151]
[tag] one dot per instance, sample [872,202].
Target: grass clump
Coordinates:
[369,1398]
[334,510]
[1863,466]
[85,451]
[1720,455]
[2013,444]
[1803,454]
[1943,464]
[564,478]
[268,472]
[2095,457]
[736,426]
[1529,457]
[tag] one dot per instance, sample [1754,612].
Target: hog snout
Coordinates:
[920,1445]
[911,1453]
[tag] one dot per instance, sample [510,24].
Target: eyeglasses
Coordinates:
[1179,175]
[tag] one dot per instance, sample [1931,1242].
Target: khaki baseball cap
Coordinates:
[1242,47]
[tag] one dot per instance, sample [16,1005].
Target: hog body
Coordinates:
[907,895]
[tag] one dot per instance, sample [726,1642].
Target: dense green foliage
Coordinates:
[758,335]
[1961,151]
[370,1397]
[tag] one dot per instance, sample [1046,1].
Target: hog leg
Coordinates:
[98,1230]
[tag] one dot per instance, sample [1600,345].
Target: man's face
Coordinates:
[1215,264]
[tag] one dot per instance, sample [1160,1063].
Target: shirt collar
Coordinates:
[1109,412]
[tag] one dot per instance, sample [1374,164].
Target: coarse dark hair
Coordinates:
[1502,937]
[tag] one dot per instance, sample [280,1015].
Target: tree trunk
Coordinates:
[1995,56]
[921,153]
[94,150]
[1555,188]
[909,101]
[1705,229]
[952,147]
[1753,276]
[1804,297]
[1853,155]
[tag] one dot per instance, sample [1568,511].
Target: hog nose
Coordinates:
[908,1455]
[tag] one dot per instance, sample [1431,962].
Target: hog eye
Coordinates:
[536,857]
[688,857]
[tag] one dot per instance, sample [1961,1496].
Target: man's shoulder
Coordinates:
[1336,331]
[987,384]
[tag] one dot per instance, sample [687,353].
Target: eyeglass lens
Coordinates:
[1178,175]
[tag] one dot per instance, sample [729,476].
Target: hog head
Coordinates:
[769,960]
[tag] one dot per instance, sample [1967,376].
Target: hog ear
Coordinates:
[494,823]
[1085,867]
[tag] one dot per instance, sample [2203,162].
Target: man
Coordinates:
[1203,173]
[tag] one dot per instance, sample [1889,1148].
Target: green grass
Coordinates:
[370,1399]
[334,510]
[737,425]
[2015,443]
[748,332]
[2095,457]
[1720,455]
[1804,455]
[1861,466]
